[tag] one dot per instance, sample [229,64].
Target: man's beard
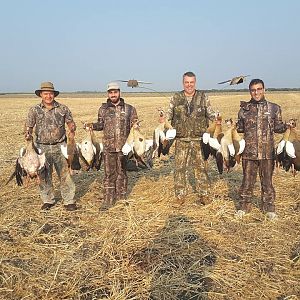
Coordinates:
[115,100]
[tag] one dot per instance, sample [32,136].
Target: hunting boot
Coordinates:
[244,208]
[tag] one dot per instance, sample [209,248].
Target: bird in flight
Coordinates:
[134,83]
[235,80]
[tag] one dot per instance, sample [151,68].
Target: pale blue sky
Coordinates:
[83,44]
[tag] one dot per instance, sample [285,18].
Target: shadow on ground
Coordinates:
[180,260]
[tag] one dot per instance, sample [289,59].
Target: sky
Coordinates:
[81,45]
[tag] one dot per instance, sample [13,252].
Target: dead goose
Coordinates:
[90,151]
[137,142]
[212,132]
[162,143]
[288,149]
[30,164]
[70,150]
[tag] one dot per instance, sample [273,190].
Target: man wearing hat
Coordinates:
[114,118]
[48,118]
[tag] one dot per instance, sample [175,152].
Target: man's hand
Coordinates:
[87,125]
[28,132]
[71,126]
[71,134]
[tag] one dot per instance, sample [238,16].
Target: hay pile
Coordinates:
[145,247]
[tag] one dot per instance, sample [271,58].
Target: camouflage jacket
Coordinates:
[115,121]
[50,124]
[259,120]
[190,119]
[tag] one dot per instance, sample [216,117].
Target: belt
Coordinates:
[189,139]
[48,144]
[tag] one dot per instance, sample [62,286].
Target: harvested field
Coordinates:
[146,247]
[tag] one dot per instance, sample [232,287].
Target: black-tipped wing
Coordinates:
[224,81]
[144,82]
[19,173]
[220,161]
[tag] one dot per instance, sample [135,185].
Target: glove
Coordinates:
[126,149]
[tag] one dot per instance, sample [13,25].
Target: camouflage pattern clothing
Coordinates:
[259,120]
[50,124]
[50,134]
[190,118]
[67,187]
[115,121]
[190,170]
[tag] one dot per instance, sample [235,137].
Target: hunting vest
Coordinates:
[189,118]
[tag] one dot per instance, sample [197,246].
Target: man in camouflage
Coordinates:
[258,119]
[114,118]
[189,112]
[49,119]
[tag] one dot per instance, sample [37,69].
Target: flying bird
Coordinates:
[134,83]
[235,80]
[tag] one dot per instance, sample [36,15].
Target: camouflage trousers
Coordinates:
[265,168]
[189,169]
[115,177]
[67,187]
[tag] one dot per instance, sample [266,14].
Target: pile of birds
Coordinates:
[32,164]
[88,154]
[221,141]
[89,151]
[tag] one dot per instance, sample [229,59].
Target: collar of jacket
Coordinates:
[54,104]
[262,101]
[110,104]
[193,97]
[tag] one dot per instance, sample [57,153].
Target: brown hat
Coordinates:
[46,86]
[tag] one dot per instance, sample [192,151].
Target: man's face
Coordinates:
[47,97]
[189,85]
[257,91]
[114,96]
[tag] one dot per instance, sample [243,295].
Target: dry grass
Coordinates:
[145,248]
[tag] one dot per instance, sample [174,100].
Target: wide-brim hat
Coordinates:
[46,86]
[113,86]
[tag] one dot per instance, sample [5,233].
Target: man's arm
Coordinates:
[98,126]
[30,122]
[70,122]
[170,111]
[279,126]
[240,122]
[210,113]
[133,115]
